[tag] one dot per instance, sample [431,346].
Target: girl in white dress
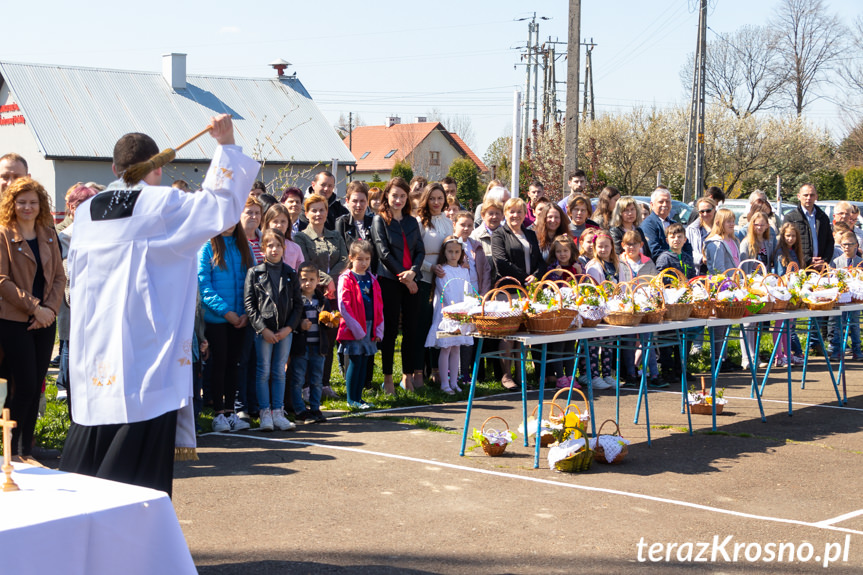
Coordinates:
[450,288]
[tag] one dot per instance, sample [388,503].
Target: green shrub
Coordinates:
[402,169]
[466,175]
[854,184]
[830,184]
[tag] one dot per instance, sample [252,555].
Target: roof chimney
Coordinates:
[393,120]
[174,70]
[421,120]
[280,66]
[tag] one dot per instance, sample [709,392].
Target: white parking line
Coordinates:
[819,525]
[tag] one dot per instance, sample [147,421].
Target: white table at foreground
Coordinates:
[74,524]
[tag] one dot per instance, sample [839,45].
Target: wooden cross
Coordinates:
[7,424]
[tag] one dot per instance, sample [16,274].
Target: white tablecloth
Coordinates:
[74,524]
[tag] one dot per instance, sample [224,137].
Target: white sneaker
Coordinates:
[281,422]
[695,350]
[611,381]
[236,423]
[599,383]
[220,423]
[266,420]
[244,415]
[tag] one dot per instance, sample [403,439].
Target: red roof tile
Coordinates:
[379,141]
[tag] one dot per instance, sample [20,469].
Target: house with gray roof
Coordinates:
[65,121]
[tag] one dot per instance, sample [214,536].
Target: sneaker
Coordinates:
[857,357]
[220,423]
[563,382]
[244,415]
[695,350]
[796,360]
[327,391]
[611,381]
[584,380]
[317,417]
[304,416]
[599,383]
[762,364]
[781,362]
[365,405]
[281,422]
[266,420]
[236,423]
[656,383]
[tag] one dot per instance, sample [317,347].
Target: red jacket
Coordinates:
[353,323]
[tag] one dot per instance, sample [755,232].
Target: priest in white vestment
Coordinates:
[132,268]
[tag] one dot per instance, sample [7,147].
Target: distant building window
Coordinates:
[363,157]
[434,158]
[390,153]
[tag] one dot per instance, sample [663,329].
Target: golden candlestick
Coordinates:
[7,424]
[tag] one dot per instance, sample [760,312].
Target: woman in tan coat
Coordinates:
[31,290]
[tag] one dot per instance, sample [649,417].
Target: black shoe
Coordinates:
[43,453]
[729,367]
[304,416]
[318,417]
[55,362]
[656,383]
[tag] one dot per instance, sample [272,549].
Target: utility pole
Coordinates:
[570,163]
[531,59]
[351,131]
[516,144]
[526,123]
[588,111]
[693,183]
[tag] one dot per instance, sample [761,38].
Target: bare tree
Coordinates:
[743,72]
[457,123]
[852,65]
[810,39]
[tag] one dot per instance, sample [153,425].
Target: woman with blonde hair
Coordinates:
[721,253]
[31,287]
[626,217]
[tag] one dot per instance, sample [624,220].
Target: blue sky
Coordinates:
[404,58]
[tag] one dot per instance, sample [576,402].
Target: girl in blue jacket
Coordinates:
[222,265]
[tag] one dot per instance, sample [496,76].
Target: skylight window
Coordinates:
[363,157]
[390,153]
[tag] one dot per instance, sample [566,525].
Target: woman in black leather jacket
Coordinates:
[400,252]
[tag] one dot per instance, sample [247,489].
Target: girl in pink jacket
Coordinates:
[362,322]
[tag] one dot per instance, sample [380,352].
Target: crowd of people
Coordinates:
[306,282]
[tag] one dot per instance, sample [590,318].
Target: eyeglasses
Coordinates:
[849,245]
[705,211]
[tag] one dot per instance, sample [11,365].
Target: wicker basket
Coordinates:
[679,311]
[623,319]
[599,451]
[705,408]
[769,307]
[579,461]
[702,309]
[586,283]
[825,306]
[657,315]
[730,310]
[583,420]
[546,439]
[550,321]
[497,324]
[493,449]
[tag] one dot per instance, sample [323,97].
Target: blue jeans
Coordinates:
[272,360]
[63,374]
[356,377]
[854,331]
[313,362]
